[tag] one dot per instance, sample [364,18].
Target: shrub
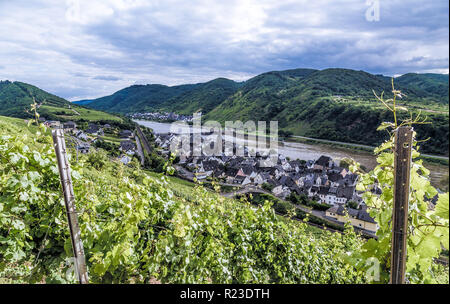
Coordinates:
[267,186]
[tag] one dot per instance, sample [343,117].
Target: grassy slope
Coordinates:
[64,113]
[16,98]
[11,125]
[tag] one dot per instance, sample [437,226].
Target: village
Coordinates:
[155,116]
[320,180]
[122,143]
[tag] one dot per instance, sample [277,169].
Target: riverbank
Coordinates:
[310,148]
[437,159]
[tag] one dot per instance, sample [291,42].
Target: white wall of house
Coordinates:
[332,199]
[246,181]
[277,190]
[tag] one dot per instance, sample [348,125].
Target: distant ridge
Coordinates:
[187,98]
[334,104]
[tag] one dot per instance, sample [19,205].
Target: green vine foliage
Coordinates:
[428,227]
[135,229]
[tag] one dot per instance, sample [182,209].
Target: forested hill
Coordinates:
[184,99]
[335,104]
[16,97]
[137,98]
[338,104]
[203,97]
[300,84]
[424,85]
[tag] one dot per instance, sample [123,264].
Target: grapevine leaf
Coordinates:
[441,208]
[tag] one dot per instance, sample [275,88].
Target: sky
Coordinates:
[81,49]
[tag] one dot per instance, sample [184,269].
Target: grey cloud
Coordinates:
[107,78]
[175,42]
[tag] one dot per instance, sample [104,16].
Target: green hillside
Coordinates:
[334,104]
[184,99]
[16,98]
[424,85]
[202,97]
[137,98]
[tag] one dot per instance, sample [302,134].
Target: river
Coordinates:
[295,150]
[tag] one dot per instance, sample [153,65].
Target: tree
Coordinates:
[352,204]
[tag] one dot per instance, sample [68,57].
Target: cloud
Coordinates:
[73,47]
[107,78]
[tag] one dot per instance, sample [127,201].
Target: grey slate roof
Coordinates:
[359,214]
[127,145]
[323,161]
[70,124]
[323,190]
[346,192]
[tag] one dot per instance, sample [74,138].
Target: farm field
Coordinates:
[76,113]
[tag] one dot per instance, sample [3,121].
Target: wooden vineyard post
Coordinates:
[402,169]
[69,199]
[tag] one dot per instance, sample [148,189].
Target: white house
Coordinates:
[125,159]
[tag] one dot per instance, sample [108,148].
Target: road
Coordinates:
[75,112]
[316,213]
[144,140]
[187,175]
[251,189]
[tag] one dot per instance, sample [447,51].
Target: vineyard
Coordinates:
[137,227]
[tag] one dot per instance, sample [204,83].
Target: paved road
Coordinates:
[251,189]
[186,174]
[320,214]
[254,189]
[316,213]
